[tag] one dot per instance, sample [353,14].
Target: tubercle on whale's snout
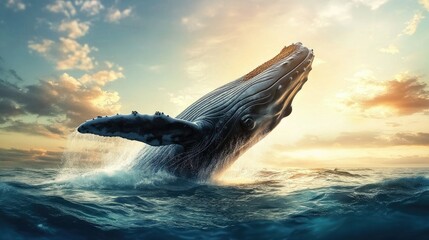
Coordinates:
[284,53]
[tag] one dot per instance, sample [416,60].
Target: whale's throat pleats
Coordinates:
[286,51]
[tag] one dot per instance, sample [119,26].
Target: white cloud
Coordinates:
[391,49]
[16,5]
[100,78]
[412,25]
[74,55]
[185,97]
[109,64]
[181,100]
[202,17]
[74,28]
[101,100]
[43,47]
[334,12]
[92,95]
[192,23]
[425,4]
[115,15]
[90,7]
[67,53]
[84,97]
[61,6]
[363,75]
[373,4]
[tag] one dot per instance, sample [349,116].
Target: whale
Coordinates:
[210,134]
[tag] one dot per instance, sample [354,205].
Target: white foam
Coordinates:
[90,157]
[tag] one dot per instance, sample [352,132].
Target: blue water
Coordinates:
[270,204]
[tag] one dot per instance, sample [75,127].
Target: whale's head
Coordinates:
[254,104]
[271,88]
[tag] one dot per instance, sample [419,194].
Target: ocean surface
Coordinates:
[265,204]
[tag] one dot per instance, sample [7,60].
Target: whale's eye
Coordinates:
[248,122]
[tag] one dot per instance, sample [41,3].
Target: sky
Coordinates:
[366,103]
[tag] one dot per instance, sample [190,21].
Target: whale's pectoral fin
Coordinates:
[155,130]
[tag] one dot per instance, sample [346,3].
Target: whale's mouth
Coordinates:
[285,52]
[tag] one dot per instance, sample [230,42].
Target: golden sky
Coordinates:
[366,102]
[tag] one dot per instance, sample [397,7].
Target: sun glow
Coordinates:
[372,78]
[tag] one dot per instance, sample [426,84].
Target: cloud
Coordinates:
[353,140]
[9,74]
[16,5]
[373,4]
[59,105]
[192,23]
[339,11]
[43,47]
[74,55]
[51,130]
[333,12]
[115,15]
[391,49]
[404,95]
[61,6]
[9,109]
[425,3]
[90,7]
[181,99]
[411,160]
[14,74]
[352,149]
[67,53]
[41,157]
[74,29]
[281,157]
[184,97]
[213,14]
[412,25]
[100,78]
[362,140]
[420,139]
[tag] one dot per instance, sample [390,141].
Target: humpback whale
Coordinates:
[209,135]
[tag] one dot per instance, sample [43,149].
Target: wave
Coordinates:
[324,173]
[121,205]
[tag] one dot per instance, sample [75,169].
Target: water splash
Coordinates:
[91,156]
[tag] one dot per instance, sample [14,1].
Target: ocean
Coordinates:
[295,203]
